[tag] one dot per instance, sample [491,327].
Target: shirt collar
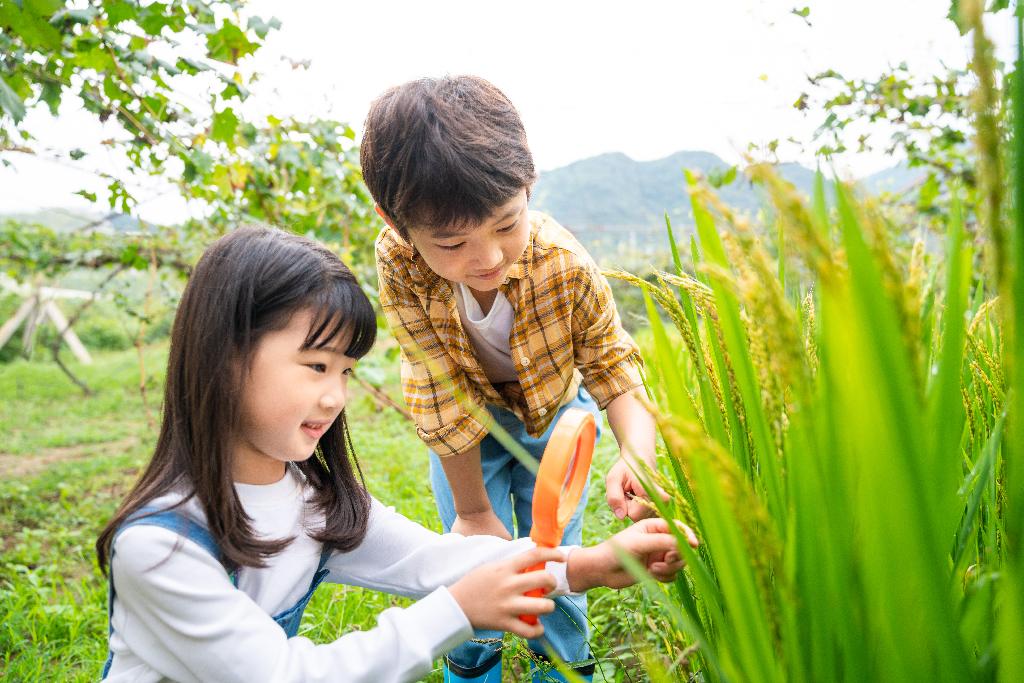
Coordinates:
[426,275]
[524,264]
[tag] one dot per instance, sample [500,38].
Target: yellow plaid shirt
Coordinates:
[566,330]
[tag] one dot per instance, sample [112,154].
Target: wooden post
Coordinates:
[40,304]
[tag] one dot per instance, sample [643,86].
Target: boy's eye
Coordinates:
[451,247]
[507,228]
[318,367]
[348,372]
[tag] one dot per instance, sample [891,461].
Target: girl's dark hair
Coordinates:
[248,283]
[444,152]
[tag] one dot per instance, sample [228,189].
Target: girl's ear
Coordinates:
[380,212]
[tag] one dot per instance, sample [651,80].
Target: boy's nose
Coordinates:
[491,257]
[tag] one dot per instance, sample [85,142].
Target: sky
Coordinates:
[641,77]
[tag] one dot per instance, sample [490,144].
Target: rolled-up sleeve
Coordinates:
[436,390]
[605,354]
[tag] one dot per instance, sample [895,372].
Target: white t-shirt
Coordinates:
[176,616]
[489,333]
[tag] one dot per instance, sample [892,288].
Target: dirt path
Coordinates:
[18,466]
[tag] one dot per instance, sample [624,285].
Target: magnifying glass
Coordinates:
[562,475]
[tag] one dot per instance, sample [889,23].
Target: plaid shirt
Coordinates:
[566,330]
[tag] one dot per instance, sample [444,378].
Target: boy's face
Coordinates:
[478,256]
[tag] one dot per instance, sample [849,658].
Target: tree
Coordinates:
[142,66]
[926,118]
[171,77]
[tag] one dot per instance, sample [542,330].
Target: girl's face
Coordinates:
[289,399]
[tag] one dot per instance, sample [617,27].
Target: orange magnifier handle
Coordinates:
[562,475]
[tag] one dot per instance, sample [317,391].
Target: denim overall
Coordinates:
[179,523]
[509,487]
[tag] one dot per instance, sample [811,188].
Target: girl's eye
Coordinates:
[451,247]
[348,372]
[318,367]
[507,228]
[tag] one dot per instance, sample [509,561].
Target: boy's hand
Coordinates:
[635,431]
[492,595]
[623,489]
[647,541]
[484,523]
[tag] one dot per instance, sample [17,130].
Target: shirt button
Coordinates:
[525,361]
[542,412]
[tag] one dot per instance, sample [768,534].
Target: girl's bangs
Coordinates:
[342,311]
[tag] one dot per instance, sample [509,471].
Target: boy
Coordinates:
[503,306]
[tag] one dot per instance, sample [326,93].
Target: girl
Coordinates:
[216,551]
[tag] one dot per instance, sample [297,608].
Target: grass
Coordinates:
[67,460]
[837,439]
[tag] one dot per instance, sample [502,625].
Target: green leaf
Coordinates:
[130,254]
[929,193]
[946,411]
[673,246]
[737,349]
[232,90]
[197,164]
[261,27]
[10,102]
[722,178]
[33,29]
[678,397]
[225,123]
[979,479]
[74,16]
[954,16]
[41,8]
[229,44]
[119,11]
[153,18]
[191,66]
[50,94]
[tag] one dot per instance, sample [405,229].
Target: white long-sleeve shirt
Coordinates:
[176,615]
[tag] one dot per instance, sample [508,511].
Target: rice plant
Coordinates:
[841,428]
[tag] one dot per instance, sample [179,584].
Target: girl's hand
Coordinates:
[648,541]
[492,595]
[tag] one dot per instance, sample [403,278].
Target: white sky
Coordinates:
[642,77]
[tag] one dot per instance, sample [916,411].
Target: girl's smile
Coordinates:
[315,429]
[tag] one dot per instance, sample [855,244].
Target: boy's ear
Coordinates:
[380,212]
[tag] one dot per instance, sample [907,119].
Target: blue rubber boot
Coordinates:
[455,674]
[552,674]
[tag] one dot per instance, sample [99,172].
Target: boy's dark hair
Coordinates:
[444,152]
[249,283]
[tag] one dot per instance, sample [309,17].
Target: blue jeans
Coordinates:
[510,489]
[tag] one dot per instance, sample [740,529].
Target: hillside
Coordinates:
[616,205]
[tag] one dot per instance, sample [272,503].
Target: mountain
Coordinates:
[72,220]
[897,179]
[616,205]
[612,190]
